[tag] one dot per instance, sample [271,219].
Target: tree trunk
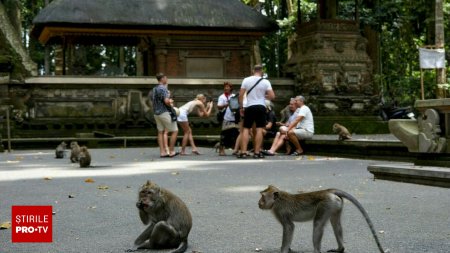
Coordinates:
[439,41]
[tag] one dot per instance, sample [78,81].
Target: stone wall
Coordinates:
[67,106]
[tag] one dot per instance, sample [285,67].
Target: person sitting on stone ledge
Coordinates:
[302,128]
[281,136]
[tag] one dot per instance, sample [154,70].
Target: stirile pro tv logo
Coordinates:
[31,224]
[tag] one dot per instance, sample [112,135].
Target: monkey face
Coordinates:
[149,197]
[268,197]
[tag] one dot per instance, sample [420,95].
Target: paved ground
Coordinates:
[222,194]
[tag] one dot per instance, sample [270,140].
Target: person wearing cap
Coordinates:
[257,89]
[302,128]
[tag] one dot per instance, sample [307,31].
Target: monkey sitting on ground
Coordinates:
[168,218]
[75,151]
[60,151]
[319,206]
[342,131]
[84,157]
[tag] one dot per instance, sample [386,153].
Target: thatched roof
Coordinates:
[223,15]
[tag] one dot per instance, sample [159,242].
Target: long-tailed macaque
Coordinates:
[84,157]
[342,131]
[168,218]
[319,206]
[74,155]
[60,151]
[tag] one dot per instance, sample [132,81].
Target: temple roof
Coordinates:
[198,15]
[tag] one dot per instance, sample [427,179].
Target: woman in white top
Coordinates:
[203,111]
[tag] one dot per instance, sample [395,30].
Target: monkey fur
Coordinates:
[319,206]
[342,131]
[167,216]
[60,151]
[84,157]
[74,155]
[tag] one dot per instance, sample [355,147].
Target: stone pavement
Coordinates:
[222,194]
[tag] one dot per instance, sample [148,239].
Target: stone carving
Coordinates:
[430,140]
[333,64]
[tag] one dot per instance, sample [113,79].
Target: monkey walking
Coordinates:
[342,131]
[60,151]
[75,152]
[319,206]
[84,157]
[168,218]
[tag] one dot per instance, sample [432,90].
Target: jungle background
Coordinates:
[402,25]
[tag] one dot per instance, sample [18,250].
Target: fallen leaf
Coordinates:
[89,180]
[175,173]
[5,225]
[102,187]
[48,178]
[112,157]
[311,158]
[19,158]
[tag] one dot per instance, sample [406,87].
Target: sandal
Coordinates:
[175,154]
[295,153]
[259,155]
[267,153]
[195,152]
[243,155]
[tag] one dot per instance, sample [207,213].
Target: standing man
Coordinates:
[302,127]
[161,102]
[256,90]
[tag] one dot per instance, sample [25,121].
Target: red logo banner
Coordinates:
[31,224]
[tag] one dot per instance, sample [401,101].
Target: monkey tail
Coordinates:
[352,199]
[182,247]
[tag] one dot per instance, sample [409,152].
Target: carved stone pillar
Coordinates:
[333,69]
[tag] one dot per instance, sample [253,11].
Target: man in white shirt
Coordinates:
[302,127]
[257,89]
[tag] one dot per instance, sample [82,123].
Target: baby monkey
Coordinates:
[319,206]
[84,157]
[342,131]
[60,151]
[167,216]
[75,152]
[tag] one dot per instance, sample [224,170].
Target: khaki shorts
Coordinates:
[302,134]
[164,121]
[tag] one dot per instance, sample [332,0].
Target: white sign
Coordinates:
[432,58]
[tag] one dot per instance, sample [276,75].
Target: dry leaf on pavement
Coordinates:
[5,225]
[103,187]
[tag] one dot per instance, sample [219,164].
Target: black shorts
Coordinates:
[255,114]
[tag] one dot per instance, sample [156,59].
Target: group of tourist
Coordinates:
[254,119]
